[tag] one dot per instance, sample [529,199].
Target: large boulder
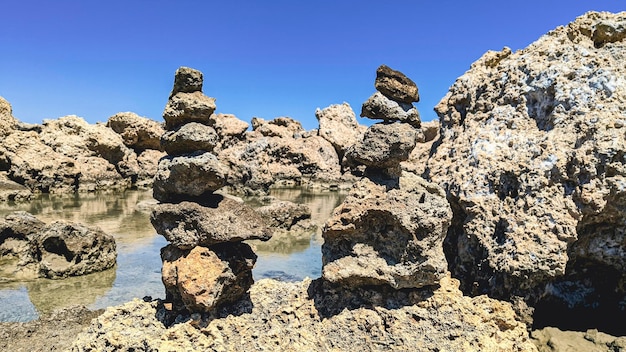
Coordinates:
[187,176]
[384,145]
[188,224]
[138,133]
[189,138]
[338,125]
[381,236]
[13,191]
[229,128]
[183,108]
[203,279]
[531,155]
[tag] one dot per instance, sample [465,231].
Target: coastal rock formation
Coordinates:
[284,214]
[338,125]
[206,265]
[7,121]
[531,155]
[299,317]
[138,133]
[12,191]
[57,250]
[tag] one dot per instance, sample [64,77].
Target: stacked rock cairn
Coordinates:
[389,231]
[205,264]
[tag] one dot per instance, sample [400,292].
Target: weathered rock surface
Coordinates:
[187,80]
[284,214]
[7,121]
[555,340]
[382,236]
[190,175]
[287,317]
[284,127]
[531,155]
[384,145]
[229,128]
[60,249]
[188,107]
[420,154]
[203,279]
[395,85]
[338,125]
[188,224]
[13,191]
[148,162]
[379,107]
[138,133]
[189,138]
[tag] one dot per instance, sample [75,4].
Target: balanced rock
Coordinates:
[188,224]
[395,85]
[379,107]
[138,133]
[338,125]
[189,138]
[384,145]
[203,278]
[188,107]
[187,176]
[531,156]
[187,80]
[388,237]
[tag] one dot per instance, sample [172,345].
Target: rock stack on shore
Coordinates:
[390,228]
[206,264]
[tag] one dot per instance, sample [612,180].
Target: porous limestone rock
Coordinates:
[229,128]
[420,154]
[187,80]
[395,85]
[189,175]
[338,125]
[386,234]
[13,191]
[148,162]
[384,145]
[203,279]
[188,107]
[531,155]
[301,317]
[7,122]
[379,107]
[284,214]
[188,224]
[189,138]
[284,127]
[138,133]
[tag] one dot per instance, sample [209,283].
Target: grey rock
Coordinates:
[187,176]
[189,138]
[188,107]
[384,145]
[187,80]
[284,214]
[380,107]
[188,224]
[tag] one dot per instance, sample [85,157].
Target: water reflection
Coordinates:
[126,216]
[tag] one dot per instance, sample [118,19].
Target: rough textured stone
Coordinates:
[380,107]
[138,133]
[7,122]
[395,85]
[188,107]
[381,236]
[17,230]
[148,162]
[420,154]
[229,128]
[531,155]
[188,176]
[188,224]
[286,317]
[384,145]
[285,127]
[187,80]
[13,191]
[203,279]
[339,126]
[189,138]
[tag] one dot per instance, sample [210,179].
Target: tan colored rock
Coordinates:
[387,235]
[204,278]
[187,224]
[379,107]
[148,162]
[13,191]
[420,154]
[7,121]
[384,145]
[284,214]
[138,133]
[189,138]
[229,128]
[338,125]
[284,127]
[395,85]
[288,317]
[187,80]
[183,108]
[531,155]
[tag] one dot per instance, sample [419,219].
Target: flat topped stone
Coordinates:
[187,80]
[189,138]
[395,85]
[184,107]
[188,224]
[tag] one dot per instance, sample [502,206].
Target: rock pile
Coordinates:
[390,228]
[206,264]
[61,249]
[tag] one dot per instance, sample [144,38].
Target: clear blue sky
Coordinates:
[259,58]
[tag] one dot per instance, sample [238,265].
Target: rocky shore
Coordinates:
[505,217]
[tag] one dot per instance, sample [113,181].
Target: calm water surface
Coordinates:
[126,216]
